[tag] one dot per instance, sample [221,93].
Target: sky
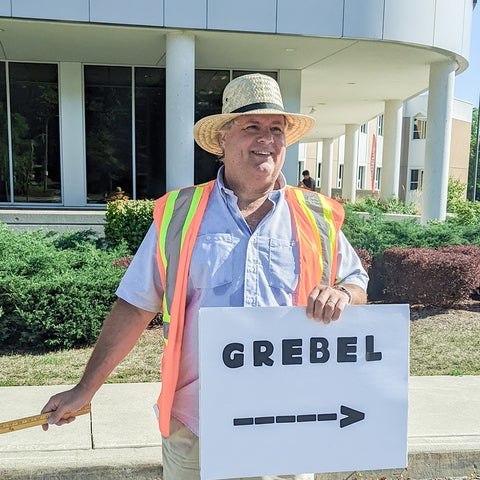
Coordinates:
[467,84]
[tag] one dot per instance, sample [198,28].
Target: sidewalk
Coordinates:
[120,439]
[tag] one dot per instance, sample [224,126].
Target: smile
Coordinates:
[259,152]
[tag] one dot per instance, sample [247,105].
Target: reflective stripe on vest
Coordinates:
[178,216]
[178,212]
[316,221]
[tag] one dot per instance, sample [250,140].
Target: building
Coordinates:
[100,94]
[414,138]
[412,156]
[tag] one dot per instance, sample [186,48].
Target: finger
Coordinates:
[316,301]
[58,409]
[328,312]
[340,304]
[330,309]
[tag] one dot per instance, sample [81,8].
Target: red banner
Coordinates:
[373,161]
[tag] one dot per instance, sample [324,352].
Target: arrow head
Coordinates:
[352,416]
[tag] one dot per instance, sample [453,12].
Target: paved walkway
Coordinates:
[120,439]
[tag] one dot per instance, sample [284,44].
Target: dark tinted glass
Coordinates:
[4,167]
[209,86]
[150,132]
[35,132]
[108,126]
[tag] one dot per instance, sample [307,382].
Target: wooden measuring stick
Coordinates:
[35,420]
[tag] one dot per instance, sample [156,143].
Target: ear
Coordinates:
[221,139]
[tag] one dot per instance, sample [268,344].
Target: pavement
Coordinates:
[120,439]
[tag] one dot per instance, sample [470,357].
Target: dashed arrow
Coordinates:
[351,416]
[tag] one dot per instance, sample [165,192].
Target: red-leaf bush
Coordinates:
[365,258]
[443,277]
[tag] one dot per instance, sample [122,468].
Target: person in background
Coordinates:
[118,194]
[234,241]
[307,181]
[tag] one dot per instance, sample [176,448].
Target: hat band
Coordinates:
[256,106]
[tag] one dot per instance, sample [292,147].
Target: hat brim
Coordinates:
[206,130]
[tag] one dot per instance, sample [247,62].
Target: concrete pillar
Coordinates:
[180,109]
[349,186]
[392,143]
[290,82]
[74,170]
[437,145]
[327,167]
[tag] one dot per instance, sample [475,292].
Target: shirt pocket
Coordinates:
[282,265]
[212,260]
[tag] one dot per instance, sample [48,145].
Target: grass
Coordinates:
[65,367]
[446,343]
[442,342]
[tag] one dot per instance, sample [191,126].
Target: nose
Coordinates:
[265,136]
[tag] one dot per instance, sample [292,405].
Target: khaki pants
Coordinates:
[181,459]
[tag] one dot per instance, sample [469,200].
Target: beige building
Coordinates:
[412,159]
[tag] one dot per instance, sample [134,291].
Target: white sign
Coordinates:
[282,394]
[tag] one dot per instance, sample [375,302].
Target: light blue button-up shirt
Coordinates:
[231,266]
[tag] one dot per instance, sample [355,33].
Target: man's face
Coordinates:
[254,150]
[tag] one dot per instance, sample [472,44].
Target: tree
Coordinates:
[472,165]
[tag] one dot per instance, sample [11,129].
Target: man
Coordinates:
[245,239]
[307,181]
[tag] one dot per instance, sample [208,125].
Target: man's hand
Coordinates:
[63,403]
[326,304]
[121,330]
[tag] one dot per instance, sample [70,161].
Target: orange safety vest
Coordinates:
[316,220]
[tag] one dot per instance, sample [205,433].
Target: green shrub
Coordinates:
[375,233]
[128,221]
[55,290]
[375,205]
[465,211]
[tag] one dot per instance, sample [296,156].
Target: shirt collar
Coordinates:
[274,195]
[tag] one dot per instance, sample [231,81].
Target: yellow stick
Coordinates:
[35,420]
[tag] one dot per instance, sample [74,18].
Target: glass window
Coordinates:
[108,129]
[4,155]
[340,176]
[150,152]
[380,125]
[239,73]
[361,177]
[378,174]
[416,179]
[209,85]
[319,174]
[364,128]
[419,129]
[35,132]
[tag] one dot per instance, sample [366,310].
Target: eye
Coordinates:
[277,130]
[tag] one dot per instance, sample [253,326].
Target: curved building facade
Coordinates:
[101,95]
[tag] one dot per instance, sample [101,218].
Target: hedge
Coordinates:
[55,290]
[127,221]
[435,277]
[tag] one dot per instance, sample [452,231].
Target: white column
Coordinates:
[327,167]
[180,109]
[349,187]
[392,143]
[74,170]
[290,82]
[437,145]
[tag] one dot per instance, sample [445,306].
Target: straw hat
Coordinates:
[251,94]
